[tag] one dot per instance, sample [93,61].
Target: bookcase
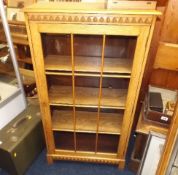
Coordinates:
[88,64]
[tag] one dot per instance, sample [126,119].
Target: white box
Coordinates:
[11,103]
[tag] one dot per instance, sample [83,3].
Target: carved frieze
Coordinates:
[91,18]
[87,159]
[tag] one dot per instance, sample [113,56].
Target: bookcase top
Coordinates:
[93,8]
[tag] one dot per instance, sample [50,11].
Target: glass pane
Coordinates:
[64,140]
[87,53]
[86,119]
[114,92]
[119,53]
[62,118]
[57,52]
[111,121]
[60,90]
[86,142]
[86,91]
[108,143]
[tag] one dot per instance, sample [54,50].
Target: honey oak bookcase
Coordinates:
[88,64]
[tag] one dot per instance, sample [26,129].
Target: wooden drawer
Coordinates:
[167,56]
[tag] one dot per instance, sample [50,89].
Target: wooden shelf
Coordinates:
[144,126]
[25,60]
[16,38]
[110,123]
[88,64]
[88,74]
[87,97]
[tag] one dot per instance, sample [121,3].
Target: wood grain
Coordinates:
[86,156]
[111,98]
[100,91]
[110,123]
[169,32]
[84,8]
[167,56]
[73,89]
[169,79]
[35,44]
[139,62]
[88,64]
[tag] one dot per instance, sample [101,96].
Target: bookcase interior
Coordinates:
[87,78]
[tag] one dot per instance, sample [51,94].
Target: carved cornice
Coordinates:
[91,18]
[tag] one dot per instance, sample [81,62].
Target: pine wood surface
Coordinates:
[88,64]
[137,23]
[169,31]
[85,96]
[167,56]
[140,58]
[169,79]
[18,33]
[109,123]
[84,8]
[81,153]
[86,156]
[38,68]
[83,74]
[28,76]
[16,38]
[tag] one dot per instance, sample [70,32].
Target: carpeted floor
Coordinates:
[40,167]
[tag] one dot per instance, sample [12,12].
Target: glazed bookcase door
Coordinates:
[88,80]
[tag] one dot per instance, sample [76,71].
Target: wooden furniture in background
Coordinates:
[162,71]
[88,67]
[169,74]
[167,56]
[166,64]
[17,26]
